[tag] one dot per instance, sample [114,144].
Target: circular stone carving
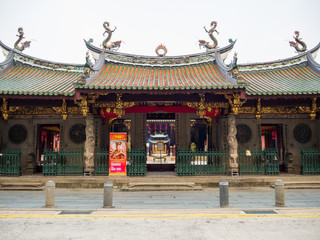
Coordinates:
[302,133]
[17,134]
[243,133]
[78,133]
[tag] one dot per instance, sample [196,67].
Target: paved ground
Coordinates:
[160,215]
[207,199]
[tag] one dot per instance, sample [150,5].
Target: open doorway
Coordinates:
[48,138]
[161,142]
[199,135]
[272,137]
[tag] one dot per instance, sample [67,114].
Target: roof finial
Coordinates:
[25,44]
[161,50]
[203,43]
[298,42]
[114,45]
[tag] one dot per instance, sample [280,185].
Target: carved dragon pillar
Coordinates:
[232,145]
[89,145]
[233,156]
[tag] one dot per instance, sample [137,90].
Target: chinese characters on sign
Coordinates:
[118,154]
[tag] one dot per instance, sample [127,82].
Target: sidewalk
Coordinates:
[164,177]
[92,199]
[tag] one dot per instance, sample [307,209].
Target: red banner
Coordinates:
[118,154]
[108,113]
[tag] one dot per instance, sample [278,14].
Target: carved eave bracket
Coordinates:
[202,106]
[4,109]
[64,112]
[235,102]
[313,112]
[258,111]
[119,106]
[83,105]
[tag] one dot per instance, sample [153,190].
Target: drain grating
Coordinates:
[75,212]
[260,212]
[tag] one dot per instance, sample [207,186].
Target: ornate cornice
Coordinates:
[259,110]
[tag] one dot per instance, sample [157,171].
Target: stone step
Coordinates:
[159,186]
[301,185]
[20,186]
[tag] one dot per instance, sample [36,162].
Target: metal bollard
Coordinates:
[108,194]
[50,193]
[224,194]
[279,193]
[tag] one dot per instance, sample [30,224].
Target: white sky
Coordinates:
[262,27]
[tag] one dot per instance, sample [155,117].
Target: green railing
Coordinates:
[254,161]
[10,160]
[310,161]
[137,165]
[101,164]
[212,162]
[63,162]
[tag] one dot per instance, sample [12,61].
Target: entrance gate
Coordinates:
[160,142]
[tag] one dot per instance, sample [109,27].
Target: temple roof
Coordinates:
[122,71]
[26,80]
[124,76]
[21,74]
[299,75]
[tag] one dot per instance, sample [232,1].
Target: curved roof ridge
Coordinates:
[8,59]
[224,69]
[312,62]
[221,63]
[99,63]
[8,50]
[157,60]
[97,68]
[299,56]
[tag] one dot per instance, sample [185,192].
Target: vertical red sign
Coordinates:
[118,154]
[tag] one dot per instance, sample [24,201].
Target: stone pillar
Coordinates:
[232,146]
[89,146]
[224,193]
[108,194]
[50,194]
[279,193]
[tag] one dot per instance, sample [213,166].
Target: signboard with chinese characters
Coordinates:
[118,154]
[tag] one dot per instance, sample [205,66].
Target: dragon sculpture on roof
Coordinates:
[298,42]
[20,36]
[203,43]
[114,45]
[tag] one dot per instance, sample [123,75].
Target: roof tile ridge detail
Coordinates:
[97,68]
[41,63]
[286,62]
[312,63]
[224,70]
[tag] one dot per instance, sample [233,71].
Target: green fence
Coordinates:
[310,161]
[101,164]
[213,162]
[137,165]
[10,160]
[258,161]
[63,162]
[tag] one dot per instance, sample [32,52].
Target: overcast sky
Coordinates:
[262,28]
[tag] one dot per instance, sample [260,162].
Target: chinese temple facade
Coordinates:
[245,115]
